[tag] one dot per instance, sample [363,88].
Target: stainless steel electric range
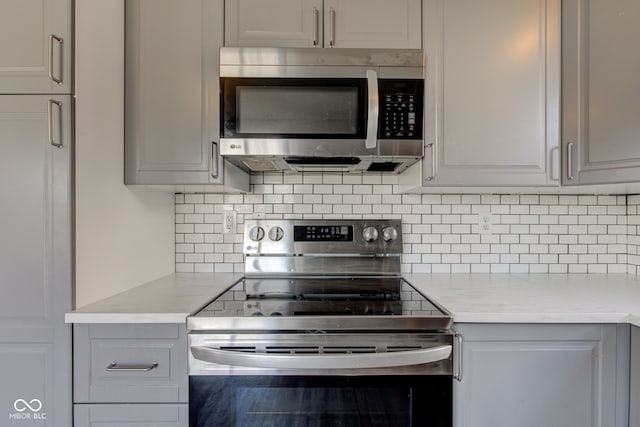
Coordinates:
[322,330]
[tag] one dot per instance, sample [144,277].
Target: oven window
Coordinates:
[294,108]
[320,401]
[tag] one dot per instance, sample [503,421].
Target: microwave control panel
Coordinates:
[401,108]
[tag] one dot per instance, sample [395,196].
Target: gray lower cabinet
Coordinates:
[131,415]
[600,91]
[634,378]
[35,259]
[542,375]
[130,374]
[328,23]
[172,119]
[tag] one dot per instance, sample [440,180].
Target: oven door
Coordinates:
[321,379]
[320,401]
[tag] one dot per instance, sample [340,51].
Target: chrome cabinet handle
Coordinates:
[131,368]
[458,374]
[432,147]
[52,38]
[50,129]
[372,121]
[556,165]
[215,158]
[570,161]
[316,36]
[322,361]
[332,27]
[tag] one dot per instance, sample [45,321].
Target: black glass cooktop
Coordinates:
[287,297]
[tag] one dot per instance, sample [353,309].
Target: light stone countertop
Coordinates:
[170,299]
[471,298]
[534,298]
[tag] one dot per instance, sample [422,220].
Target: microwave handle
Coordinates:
[372,121]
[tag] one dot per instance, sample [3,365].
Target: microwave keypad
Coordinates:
[401,109]
[399,120]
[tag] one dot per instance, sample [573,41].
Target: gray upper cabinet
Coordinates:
[290,23]
[172,120]
[601,91]
[36,46]
[492,94]
[332,23]
[35,259]
[542,375]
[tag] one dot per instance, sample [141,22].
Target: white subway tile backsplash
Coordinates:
[530,233]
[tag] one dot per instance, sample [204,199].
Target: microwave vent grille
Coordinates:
[383,166]
[258,165]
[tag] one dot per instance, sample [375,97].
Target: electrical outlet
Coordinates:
[228,222]
[485,223]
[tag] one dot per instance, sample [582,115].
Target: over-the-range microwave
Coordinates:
[348,110]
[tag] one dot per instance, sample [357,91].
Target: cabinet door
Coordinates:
[274,23]
[373,24]
[171,99]
[541,375]
[634,397]
[601,91]
[168,99]
[35,41]
[35,259]
[131,415]
[172,119]
[492,93]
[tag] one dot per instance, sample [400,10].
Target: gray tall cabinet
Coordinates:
[35,212]
[634,379]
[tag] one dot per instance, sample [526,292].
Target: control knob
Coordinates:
[389,234]
[276,233]
[370,234]
[256,233]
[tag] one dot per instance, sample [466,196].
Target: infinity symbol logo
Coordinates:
[22,405]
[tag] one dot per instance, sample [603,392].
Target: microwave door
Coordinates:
[295,108]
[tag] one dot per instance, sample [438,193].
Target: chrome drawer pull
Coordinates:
[131,368]
[352,361]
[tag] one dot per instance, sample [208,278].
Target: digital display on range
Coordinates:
[323,233]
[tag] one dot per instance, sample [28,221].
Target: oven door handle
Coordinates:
[322,361]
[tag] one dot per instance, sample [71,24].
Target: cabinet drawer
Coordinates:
[157,415]
[130,363]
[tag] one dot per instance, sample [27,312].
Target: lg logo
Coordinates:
[27,410]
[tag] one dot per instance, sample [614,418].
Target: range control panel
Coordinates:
[301,237]
[401,108]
